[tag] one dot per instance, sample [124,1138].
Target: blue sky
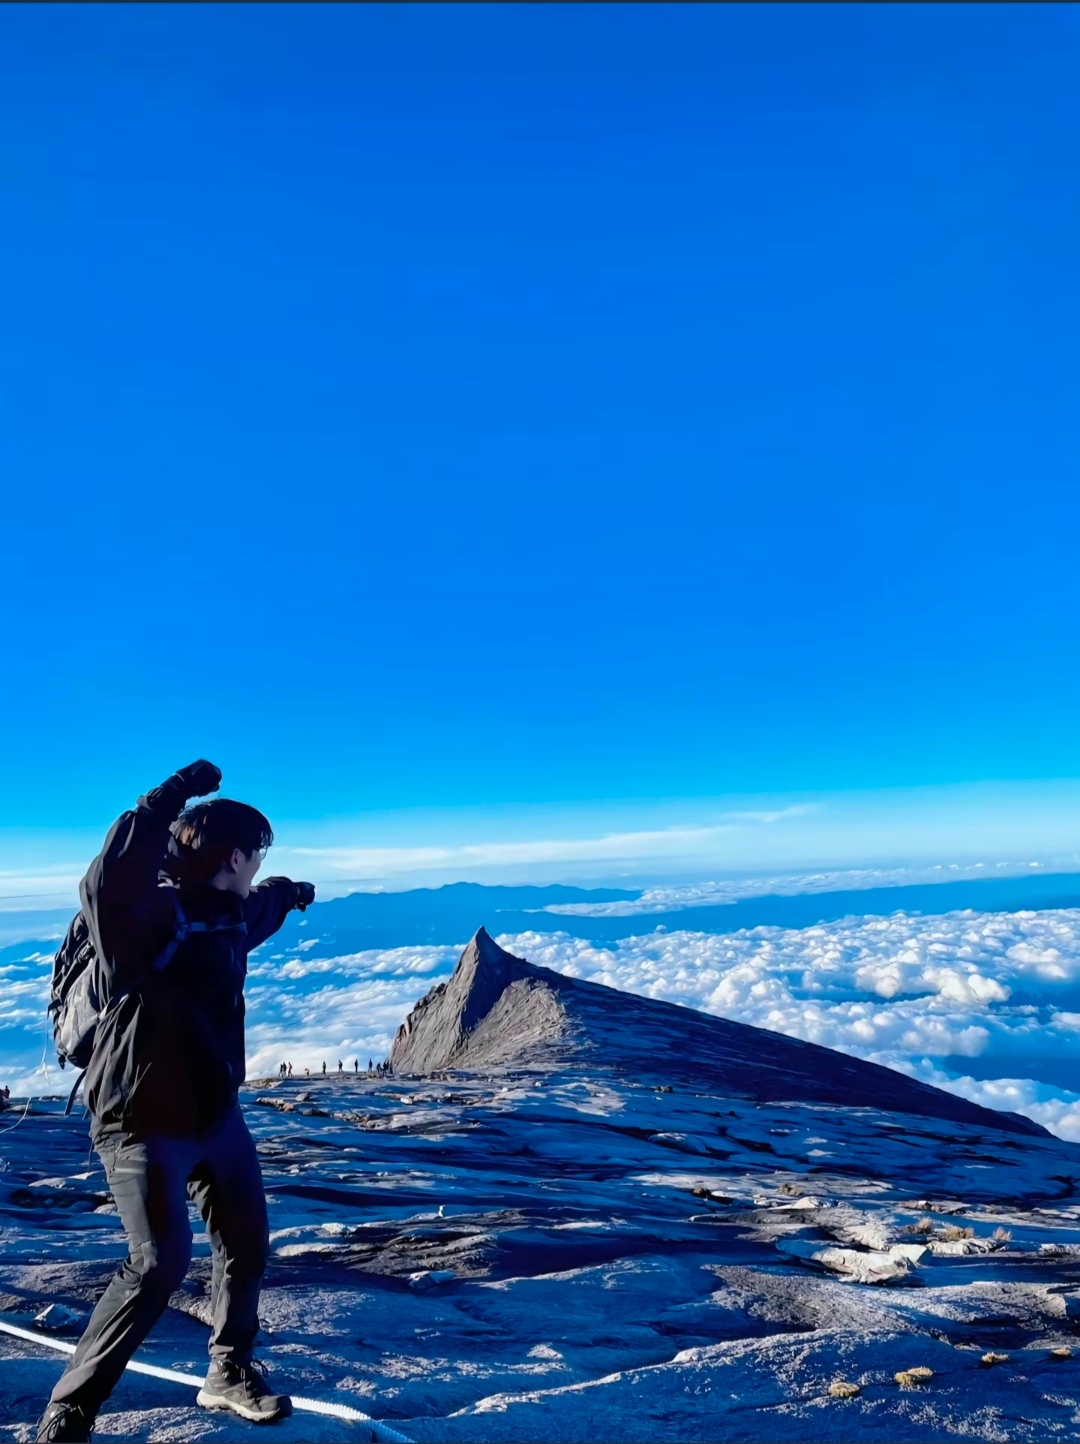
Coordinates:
[475,411]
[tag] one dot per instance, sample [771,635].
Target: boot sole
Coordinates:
[215,1401]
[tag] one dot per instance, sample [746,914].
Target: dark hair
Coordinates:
[204,837]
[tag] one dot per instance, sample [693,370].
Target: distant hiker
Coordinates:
[5,1094]
[369,1065]
[324,1068]
[290,1070]
[356,1065]
[339,1067]
[281,1070]
[307,1072]
[169,915]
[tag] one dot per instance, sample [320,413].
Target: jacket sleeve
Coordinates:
[120,897]
[266,907]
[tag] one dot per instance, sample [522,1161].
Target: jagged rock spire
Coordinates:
[501,1011]
[495,1009]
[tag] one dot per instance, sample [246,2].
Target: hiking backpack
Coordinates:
[76,998]
[82,985]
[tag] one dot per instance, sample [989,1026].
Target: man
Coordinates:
[172,914]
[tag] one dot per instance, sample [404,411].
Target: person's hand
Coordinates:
[200,777]
[305,895]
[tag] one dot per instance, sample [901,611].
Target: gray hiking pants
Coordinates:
[151,1179]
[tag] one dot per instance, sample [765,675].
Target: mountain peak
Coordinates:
[498,1010]
[495,1010]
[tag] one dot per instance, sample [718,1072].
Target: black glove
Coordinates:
[199,778]
[305,894]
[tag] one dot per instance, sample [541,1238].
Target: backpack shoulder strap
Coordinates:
[180,931]
[75,1089]
[185,926]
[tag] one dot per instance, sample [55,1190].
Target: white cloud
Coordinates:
[49,887]
[747,845]
[675,842]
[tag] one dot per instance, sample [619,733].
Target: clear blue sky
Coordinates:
[429,406]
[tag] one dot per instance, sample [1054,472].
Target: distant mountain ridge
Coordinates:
[451,914]
[498,1010]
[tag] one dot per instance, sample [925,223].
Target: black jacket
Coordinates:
[169,1050]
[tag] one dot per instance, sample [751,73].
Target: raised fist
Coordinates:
[305,894]
[200,777]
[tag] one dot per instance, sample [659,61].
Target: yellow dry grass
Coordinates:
[841,1389]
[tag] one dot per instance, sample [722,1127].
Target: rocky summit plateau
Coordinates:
[576,1214]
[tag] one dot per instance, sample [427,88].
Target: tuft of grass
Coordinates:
[953,1231]
[841,1389]
[1061,1352]
[912,1378]
[788,1188]
[1001,1235]
[989,1359]
[924,1225]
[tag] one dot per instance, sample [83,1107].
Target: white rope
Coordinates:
[26,1106]
[380,1432]
[11,1127]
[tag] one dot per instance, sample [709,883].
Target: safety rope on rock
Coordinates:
[381,1433]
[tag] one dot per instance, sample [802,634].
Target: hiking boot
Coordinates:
[242,1388]
[64,1424]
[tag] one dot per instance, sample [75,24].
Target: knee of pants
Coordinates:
[162,1266]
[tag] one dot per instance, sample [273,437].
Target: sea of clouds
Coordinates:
[986,1005]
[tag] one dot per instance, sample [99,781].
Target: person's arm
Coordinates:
[267,906]
[120,888]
